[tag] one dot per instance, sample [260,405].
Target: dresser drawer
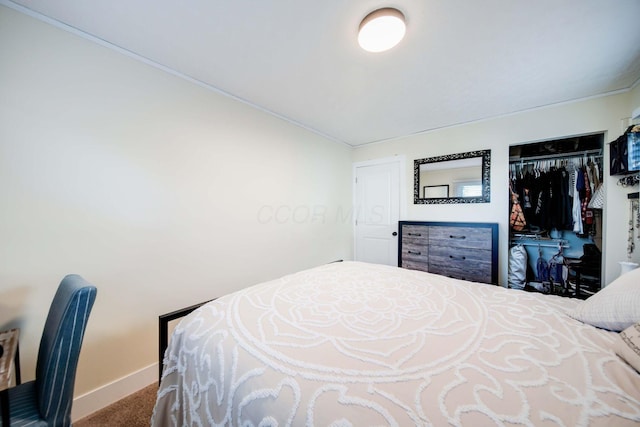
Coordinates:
[461,237]
[415,255]
[458,254]
[478,272]
[461,263]
[415,251]
[413,264]
[417,234]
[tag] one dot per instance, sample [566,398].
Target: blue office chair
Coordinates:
[46,401]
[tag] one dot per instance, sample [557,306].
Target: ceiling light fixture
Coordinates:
[381,30]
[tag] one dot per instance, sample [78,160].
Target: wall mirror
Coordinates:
[454,178]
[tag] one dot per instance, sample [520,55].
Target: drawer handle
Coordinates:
[462,257]
[451,236]
[414,234]
[415,253]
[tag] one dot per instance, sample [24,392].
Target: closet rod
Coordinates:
[596,152]
[544,245]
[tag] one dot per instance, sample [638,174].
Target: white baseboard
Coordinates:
[110,393]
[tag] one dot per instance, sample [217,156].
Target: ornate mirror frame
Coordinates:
[486,181]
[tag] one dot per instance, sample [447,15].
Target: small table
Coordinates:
[10,359]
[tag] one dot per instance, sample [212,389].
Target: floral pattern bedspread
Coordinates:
[355,344]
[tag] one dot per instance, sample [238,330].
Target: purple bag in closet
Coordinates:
[542,268]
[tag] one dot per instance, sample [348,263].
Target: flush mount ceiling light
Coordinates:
[381,30]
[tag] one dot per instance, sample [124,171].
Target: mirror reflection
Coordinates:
[455,178]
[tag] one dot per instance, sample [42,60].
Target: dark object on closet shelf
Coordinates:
[1,351]
[591,255]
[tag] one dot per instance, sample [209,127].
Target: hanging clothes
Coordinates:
[542,268]
[578,184]
[587,214]
[556,268]
[557,200]
[567,197]
[597,201]
[556,194]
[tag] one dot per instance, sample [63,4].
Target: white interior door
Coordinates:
[377,210]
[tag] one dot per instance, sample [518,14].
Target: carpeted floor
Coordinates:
[132,411]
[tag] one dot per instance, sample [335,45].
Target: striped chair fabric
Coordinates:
[47,400]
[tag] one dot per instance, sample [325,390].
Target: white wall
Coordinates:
[160,192]
[635,97]
[606,114]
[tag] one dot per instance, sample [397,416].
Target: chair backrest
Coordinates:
[60,348]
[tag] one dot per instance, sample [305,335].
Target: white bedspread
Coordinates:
[354,344]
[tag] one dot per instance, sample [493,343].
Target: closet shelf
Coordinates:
[585,153]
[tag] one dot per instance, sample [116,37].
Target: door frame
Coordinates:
[400,159]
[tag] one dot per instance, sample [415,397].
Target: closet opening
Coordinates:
[555,216]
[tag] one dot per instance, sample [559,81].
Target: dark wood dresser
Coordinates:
[462,250]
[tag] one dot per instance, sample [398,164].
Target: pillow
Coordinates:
[615,307]
[627,346]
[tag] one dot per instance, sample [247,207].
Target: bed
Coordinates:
[356,344]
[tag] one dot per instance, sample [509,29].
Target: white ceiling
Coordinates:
[460,61]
